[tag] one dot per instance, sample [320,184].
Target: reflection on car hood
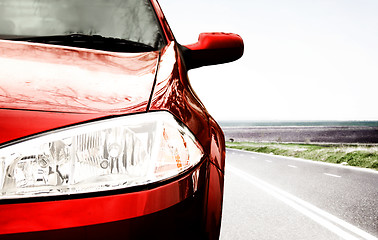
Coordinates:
[43,77]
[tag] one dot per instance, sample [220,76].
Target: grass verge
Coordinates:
[365,156]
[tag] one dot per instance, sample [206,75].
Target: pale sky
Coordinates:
[303,59]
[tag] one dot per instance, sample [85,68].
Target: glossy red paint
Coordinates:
[65,85]
[66,79]
[214,48]
[173,93]
[16,124]
[218,40]
[217,147]
[61,86]
[214,201]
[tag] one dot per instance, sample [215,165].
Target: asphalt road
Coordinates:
[272,197]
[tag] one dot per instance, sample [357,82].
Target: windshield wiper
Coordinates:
[89,41]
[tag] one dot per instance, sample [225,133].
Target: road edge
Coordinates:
[309,160]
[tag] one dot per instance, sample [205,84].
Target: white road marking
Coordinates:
[332,175]
[332,223]
[268,161]
[292,166]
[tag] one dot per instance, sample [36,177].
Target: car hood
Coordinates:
[63,79]
[55,86]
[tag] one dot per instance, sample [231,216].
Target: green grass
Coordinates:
[365,156]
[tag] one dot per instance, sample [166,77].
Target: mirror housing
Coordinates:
[212,49]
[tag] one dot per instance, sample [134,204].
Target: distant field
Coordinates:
[299,123]
[302,134]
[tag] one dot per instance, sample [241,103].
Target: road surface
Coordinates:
[273,197]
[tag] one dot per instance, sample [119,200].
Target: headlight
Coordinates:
[104,155]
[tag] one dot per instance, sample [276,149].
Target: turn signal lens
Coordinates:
[109,154]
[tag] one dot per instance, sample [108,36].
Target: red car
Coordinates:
[101,134]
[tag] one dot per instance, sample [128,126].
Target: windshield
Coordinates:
[131,20]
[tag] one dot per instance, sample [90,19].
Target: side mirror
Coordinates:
[213,48]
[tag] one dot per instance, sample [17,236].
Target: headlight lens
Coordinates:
[104,155]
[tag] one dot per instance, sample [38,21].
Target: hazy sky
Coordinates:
[303,60]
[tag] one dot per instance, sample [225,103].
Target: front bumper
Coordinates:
[174,209]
